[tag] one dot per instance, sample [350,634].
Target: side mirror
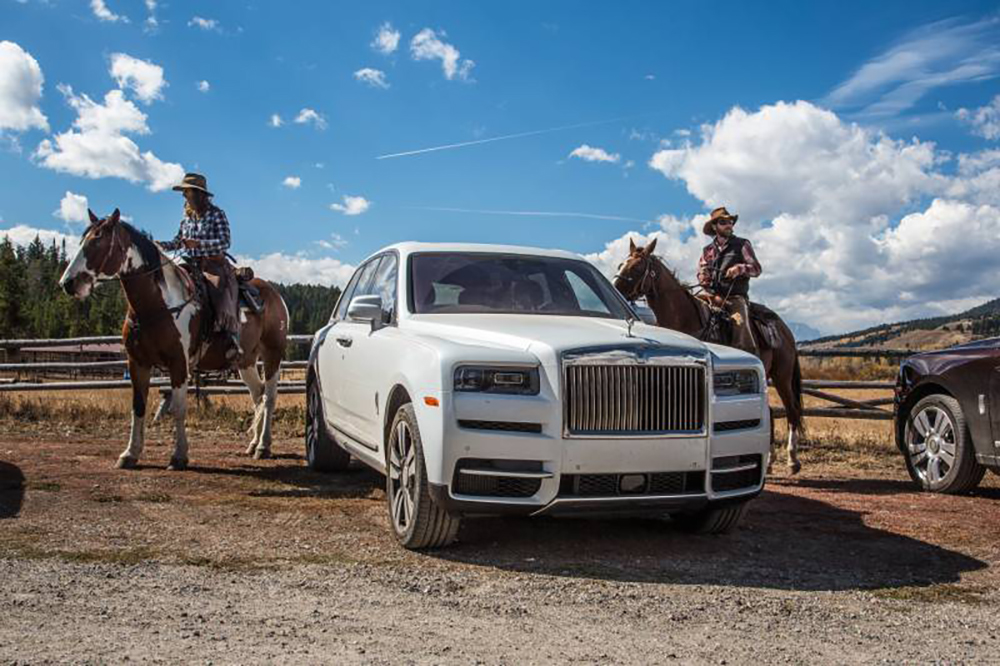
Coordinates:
[366,308]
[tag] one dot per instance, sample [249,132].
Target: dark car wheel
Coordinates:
[416,520]
[939,453]
[712,520]
[323,454]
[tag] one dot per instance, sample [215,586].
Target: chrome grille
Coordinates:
[634,399]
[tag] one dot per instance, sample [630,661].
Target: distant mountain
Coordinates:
[982,321]
[803,332]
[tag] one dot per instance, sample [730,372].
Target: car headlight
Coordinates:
[485,379]
[736,382]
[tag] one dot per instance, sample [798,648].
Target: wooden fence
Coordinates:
[840,406]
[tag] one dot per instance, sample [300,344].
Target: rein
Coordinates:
[119,275]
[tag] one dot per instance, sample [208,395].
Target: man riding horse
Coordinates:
[204,238]
[724,272]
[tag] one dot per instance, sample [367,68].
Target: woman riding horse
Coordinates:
[204,237]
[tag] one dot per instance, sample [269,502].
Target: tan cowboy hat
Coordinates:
[719,213]
[193,181]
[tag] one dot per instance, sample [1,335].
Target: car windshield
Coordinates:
[510,283]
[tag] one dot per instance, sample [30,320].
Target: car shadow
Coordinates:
[786,542]
[11,490]
[873,486]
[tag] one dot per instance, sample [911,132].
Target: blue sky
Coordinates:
[900,94]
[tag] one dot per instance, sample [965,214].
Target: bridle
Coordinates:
[639,287]
[119,244]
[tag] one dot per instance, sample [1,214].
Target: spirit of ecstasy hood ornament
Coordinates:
[630,322]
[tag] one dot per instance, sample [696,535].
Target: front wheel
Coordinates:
[712,520]
[939,453]
[323,454]
[416,520]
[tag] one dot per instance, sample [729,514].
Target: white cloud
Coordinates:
[72,208]
[373,77]
[204,23]
[21,82]
[101,11]
[307,116]
[386,39]
[204,86]
[300,269]
[151,22]
[352,205]
[426,45]
[140,76]
[985,120]
[96,145]
[335,244]
[275,120]
[938,54]
[24,235]
[650,77]
[292,182]
[590,154]
[838,216]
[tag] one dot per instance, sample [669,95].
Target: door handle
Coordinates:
[345,340]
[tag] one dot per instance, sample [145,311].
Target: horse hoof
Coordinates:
[262,454]
[794,468]
[126,462]
[177,465]
[251,449]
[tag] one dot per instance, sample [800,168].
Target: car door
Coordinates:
[366,362]
[333,353]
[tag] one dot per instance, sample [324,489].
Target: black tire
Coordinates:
[416,520]
[712,520]
[926,454]
[323,454]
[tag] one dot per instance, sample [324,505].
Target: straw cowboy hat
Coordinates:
[719,213]
[193,181]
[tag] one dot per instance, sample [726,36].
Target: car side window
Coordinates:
[384,286]
[355,287]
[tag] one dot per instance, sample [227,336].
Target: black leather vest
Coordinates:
[730,256]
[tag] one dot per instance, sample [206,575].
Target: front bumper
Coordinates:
[530,468]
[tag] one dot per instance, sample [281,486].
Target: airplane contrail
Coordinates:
[491,139]
[529,213]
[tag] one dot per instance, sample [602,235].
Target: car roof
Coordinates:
[413,247]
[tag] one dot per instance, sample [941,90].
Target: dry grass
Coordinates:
[79,410]
[858,369]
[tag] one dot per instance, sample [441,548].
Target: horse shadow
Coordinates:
[786,542]
[11,490]
[298,480]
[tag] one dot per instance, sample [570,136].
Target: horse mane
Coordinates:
[660,263]
[148,250]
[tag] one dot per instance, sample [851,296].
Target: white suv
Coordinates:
[486,379]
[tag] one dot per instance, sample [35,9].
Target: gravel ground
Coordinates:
[238,561]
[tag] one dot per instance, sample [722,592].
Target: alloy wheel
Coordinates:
[931,444]
[402,476]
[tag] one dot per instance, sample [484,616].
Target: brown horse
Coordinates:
[165,328]
[645,275]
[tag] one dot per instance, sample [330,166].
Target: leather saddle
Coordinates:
[763,322]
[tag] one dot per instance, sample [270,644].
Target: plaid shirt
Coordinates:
[750,266]
[211,232]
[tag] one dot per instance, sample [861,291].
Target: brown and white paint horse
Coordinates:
[645,275]
[163,330]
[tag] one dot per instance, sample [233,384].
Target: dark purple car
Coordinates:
[948,415]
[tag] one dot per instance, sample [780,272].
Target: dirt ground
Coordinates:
[236,561]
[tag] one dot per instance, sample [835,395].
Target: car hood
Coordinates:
[547,336]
